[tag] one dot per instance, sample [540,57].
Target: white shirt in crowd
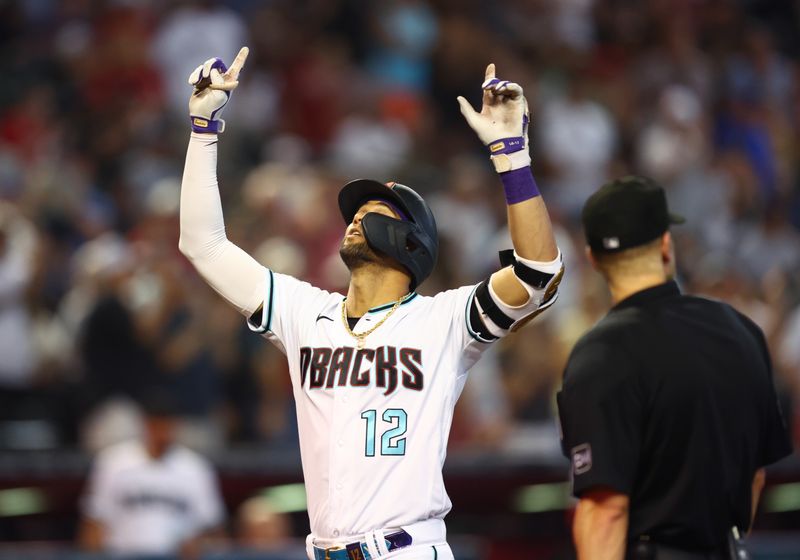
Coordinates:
[151,506]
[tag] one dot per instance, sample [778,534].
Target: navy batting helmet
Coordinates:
[412,241]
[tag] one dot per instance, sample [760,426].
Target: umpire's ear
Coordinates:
[591,258]
[668,254]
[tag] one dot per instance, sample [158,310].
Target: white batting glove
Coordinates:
[213,84]
[502,123]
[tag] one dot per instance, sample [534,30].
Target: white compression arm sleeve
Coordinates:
[234,274]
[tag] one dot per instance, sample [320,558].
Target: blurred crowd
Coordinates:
[97,306]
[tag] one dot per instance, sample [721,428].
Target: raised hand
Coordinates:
[213,83]
[502,123]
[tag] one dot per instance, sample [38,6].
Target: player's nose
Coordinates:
[354,225]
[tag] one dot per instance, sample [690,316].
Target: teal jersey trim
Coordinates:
[271,297]
[471,332]
[266,308]
[405,300]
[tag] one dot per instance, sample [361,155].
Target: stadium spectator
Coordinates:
[151,496]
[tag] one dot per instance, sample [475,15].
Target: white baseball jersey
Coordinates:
[151,506]
[373,422]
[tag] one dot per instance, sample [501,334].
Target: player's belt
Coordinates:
[358,550]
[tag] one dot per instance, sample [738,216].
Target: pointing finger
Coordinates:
[489,71]
[238,62]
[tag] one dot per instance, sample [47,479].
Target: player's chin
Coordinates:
[355,251]
[354,243]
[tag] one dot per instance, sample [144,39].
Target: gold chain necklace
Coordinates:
[362,336]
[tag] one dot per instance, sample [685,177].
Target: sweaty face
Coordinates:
[354,250]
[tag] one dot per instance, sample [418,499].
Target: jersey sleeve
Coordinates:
[288,303]
[459,307]
[98,500]
[776,442]
[599,410]
[452,311]
[208,508]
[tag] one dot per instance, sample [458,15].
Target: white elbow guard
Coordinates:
[492,318]
[539,278]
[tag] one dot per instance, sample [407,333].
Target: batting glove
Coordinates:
[213,83]
[502,123]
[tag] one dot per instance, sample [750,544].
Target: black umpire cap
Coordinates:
[625,213]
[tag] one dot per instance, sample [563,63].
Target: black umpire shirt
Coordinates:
[669,399]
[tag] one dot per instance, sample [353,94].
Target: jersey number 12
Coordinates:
[391,441]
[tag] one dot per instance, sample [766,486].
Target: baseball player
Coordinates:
[376,373]
[151,496]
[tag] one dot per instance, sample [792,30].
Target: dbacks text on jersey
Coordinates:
[387,366]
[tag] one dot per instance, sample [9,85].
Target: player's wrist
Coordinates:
[202,136]
[204,125]
[507,145]
[511,153]
[510,161]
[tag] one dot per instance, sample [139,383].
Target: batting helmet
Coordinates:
[412,241]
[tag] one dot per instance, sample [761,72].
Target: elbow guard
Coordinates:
[492,318]
[540,279]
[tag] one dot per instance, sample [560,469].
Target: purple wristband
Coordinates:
[519,185]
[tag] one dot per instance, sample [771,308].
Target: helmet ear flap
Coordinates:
[401,241]
[417,247]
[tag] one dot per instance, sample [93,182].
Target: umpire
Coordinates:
[668,409]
